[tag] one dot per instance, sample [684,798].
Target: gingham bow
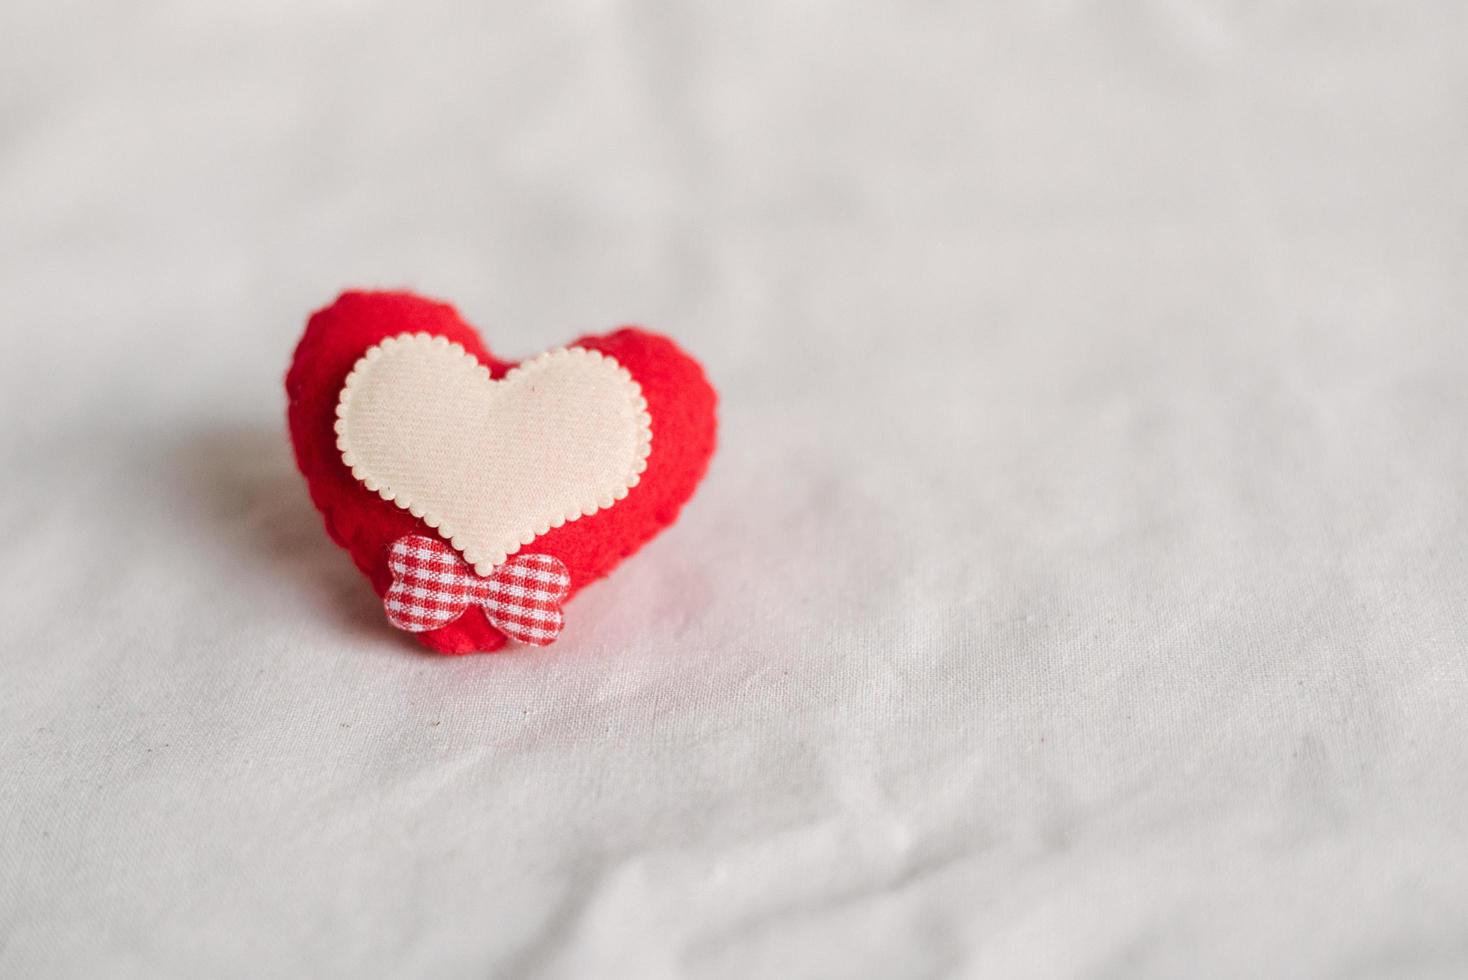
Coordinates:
[432,586]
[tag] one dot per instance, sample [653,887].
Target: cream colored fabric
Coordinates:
[1079,590]
[492,464]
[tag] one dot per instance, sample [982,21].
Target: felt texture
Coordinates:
[492,464]
[679,398]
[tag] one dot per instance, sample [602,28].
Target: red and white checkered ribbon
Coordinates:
[433,585]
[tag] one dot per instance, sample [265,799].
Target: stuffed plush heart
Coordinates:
[477,494]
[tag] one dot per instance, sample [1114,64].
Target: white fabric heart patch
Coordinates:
[492,464]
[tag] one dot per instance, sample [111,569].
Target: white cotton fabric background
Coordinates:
[1079,589]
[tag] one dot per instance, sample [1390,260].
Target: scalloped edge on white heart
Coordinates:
[610,402]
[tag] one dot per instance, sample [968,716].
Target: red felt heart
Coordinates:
[679,399]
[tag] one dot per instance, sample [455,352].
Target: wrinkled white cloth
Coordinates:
[1079,590]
